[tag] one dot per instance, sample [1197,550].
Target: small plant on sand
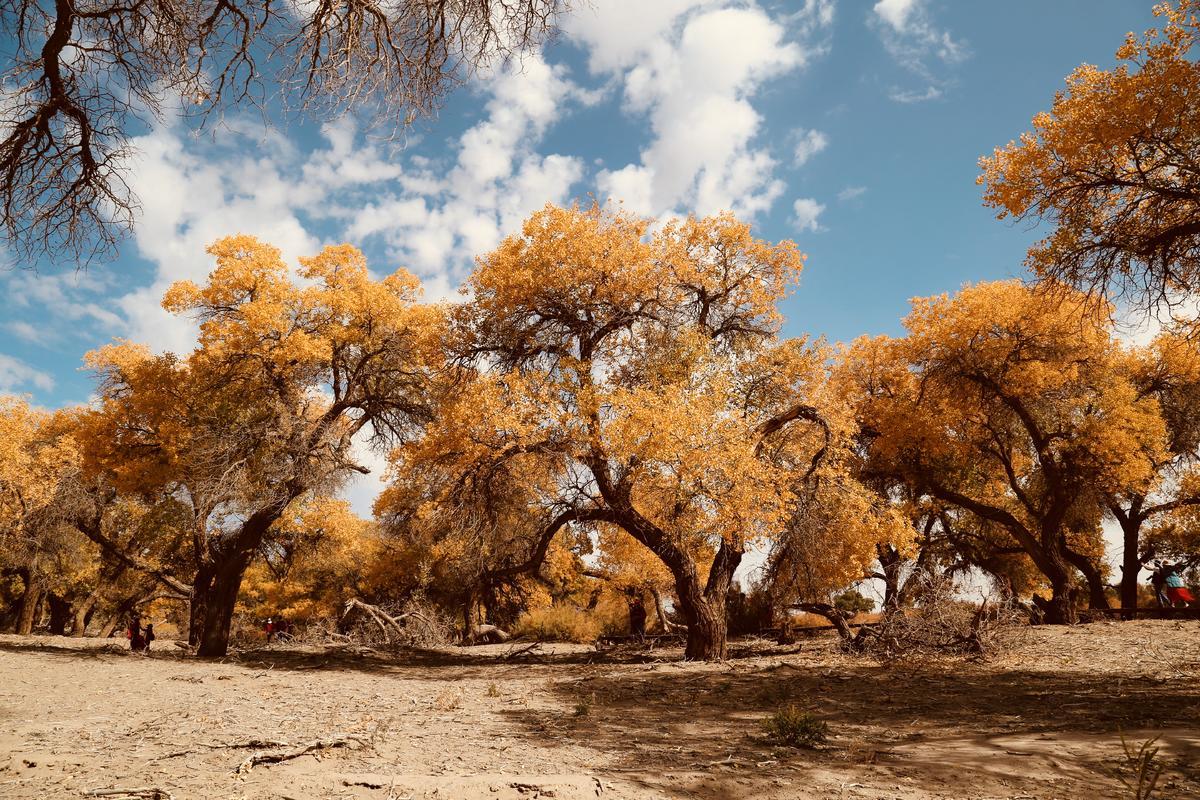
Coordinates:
[1141,770]
[583,709]
[795,728]
[448,701]
[493,690]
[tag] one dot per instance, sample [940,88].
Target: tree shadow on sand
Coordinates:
[953,721]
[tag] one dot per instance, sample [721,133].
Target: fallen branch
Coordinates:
[384,620]
[144,793]
[487,633]
[381,618]
[520,651]
[246,745]
[345,740]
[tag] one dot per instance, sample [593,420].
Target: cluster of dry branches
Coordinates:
[82,76]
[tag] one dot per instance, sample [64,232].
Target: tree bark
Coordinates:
[119,613]
[661,612]
[218,602]
[202,590]
[83,613]
[1131,566]
[890,562]
[31,602]
[704,609]
[1060,608]
[707,632]
[60,613]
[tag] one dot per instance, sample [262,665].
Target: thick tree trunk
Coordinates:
[1060,608]
[83,613]
[707,638]
[704,609]
[1097,598]
[202,590]
[218,603]
[31,604]
[118,616]
[60,613]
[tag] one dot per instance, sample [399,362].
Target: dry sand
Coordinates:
[567,722]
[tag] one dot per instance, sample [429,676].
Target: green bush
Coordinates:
[795,728]
[559,624]
[852,601]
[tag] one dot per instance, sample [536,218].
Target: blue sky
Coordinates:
[851,126]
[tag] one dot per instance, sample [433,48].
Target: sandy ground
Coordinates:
[1041,721]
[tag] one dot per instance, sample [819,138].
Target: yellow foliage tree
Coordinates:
[1168,371]
[38,456]
[319,556]
[1115,166]
[264,412]
[1015,405]
[633,378]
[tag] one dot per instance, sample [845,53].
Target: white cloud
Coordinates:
[915,96]
[896,13]
[692,68]
[916,43]
[438,225]
[15,374]
[808,144]
[851,193]
[29,332]
[815,16]
[807,214]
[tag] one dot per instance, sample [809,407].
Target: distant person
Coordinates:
[149,636]
[137,641]
[1158,581]
[1177,592]
[269,629]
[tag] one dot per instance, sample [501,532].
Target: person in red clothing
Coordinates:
[137,641]
[269,629]
[1177,592]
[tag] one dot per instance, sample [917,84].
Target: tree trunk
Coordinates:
[840,620]
[83,613]
[704,610]
[890,562]
[1060,608]
[60,612]
[202,590]
[119,614]
[218,603]
[1131,566]
[31,602]
[707,633]
[661,612]
[1097,598]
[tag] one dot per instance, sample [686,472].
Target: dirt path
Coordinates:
[1040,722]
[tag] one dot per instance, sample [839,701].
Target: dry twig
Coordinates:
[341,740]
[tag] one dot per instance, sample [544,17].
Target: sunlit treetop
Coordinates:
[1114,166]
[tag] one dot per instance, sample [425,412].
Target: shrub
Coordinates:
[852,602]
[795,728]
[559,624]
[938,625]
